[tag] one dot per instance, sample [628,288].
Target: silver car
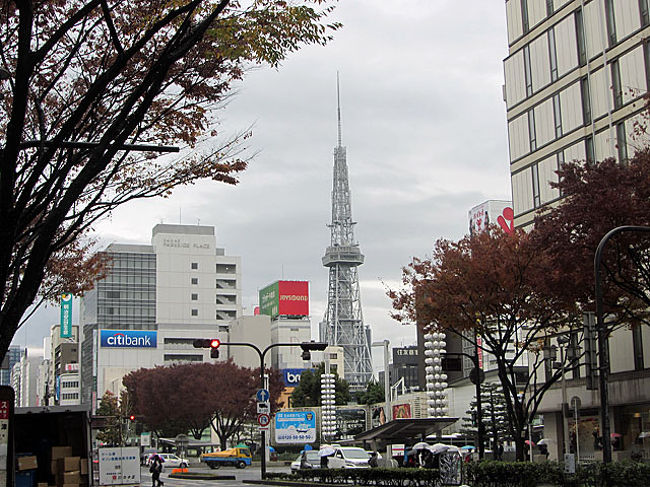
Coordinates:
[348,457]
[313,459]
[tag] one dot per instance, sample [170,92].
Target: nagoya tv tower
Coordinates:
[343,323]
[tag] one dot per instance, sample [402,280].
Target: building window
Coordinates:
[557,115]
[195,266]
[528,74]
[536,197]
[616,85]
[195,312]
[645,15]
[646,56]
[195,297]
[549,7]
[580,37]
[524,16]
[531,130]
[621,143]
[586,101]
[611,22]
[560,162]
[552,53]
[589,149]
[195,281]
[637,344]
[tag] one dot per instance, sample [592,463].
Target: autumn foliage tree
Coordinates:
[88,79]
[192,397]
[598,197]
[491,285]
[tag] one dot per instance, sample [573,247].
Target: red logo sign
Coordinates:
[293,298]
[4,409]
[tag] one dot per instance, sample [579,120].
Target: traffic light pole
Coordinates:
[306,346]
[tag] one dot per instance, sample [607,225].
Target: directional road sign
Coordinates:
[262,395]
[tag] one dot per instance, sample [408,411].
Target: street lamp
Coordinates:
[307,347]
[603,350]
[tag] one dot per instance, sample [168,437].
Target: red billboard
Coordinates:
[293,297]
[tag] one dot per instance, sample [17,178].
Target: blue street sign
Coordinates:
[262,395]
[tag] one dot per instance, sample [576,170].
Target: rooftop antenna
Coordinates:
[338,106]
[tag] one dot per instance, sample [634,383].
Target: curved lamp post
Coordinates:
[603,352]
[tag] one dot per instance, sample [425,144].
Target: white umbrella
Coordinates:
[422,445]
[326,451]
[438,448]
[544,441]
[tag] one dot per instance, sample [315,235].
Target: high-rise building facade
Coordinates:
[11,358]
[153,302]
[574,80]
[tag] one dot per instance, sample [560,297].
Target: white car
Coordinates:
[348,457]
[172,461]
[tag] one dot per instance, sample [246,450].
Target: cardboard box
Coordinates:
[83,466]
[53,467]
[70,485]
[69,478]
[67,464]
[61,452]
[27,463]
[41,484]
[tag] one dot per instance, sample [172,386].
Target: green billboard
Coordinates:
[270,300]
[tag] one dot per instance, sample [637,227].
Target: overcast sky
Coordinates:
[425,130]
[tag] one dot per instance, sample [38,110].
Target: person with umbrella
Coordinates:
[325,452]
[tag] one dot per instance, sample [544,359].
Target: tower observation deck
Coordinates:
[343,324]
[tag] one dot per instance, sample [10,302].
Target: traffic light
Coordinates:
[211,343]
[309,346]
[132,417]
[306,355]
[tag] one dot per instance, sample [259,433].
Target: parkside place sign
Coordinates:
[128,339]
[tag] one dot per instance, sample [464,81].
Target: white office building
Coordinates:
[154,301]
[574,79]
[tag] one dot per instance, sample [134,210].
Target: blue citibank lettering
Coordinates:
[129,339]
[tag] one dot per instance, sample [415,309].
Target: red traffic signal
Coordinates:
[132,417]
[206,343]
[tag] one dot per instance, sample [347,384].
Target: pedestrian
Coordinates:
[304,463]
[155,469]
[499,451]
[374,460]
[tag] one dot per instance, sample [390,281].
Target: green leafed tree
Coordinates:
[308,392]
[115,414]
[85,80]
[373,394]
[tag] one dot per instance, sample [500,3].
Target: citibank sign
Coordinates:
[129,339]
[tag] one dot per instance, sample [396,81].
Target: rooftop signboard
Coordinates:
[287,298]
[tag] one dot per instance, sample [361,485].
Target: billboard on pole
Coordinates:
[287,298]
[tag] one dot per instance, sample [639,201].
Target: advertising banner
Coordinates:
[349,422]
[66,315]
[119,466]
[287,298]
[401,411]
[269,304]
[294,298]
[128,339]
[291,377]
[295,427]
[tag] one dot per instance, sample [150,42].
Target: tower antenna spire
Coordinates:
[338,107]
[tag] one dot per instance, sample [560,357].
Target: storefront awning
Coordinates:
[404,429]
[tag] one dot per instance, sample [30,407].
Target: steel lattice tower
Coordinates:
[343,323]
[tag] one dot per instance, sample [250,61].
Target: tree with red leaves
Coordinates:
[598,197]
[490,285]
[191,397]
[87,88]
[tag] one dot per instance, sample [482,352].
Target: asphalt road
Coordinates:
[248,473]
